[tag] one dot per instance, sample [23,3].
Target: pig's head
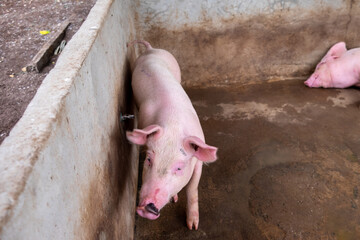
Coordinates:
[168,166]
[321,77]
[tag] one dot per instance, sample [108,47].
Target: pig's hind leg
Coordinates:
[192,209]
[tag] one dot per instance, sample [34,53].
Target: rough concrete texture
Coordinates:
[213,13]
[288,167]
[288,163]
[283,40]
[66,170]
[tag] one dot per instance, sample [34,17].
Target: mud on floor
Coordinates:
[288,167]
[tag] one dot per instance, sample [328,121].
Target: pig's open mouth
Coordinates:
[149,211]
[152,209]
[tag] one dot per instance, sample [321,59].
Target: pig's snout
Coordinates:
[311,82]
[152,209]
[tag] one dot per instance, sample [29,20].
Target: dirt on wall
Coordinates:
[294,173]
[111,191]
[270,47]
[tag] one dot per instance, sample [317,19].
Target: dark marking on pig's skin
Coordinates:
[183,152]
[162,171]
[145,72]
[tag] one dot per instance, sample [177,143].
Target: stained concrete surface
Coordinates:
[288,167]
[67,170]
[253,48]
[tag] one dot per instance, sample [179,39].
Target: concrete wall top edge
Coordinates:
[19,151]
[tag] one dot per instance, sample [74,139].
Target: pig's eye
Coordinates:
[148,161]
[178,171]
[178,168]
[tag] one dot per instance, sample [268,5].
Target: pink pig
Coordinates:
[340,68]
[171,131]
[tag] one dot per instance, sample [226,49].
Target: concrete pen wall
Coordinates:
[218,43]
[66,170]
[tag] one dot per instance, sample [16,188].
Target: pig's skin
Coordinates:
[171,131]
[339,68]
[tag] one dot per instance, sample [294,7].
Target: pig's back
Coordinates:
[160,55]
[160,97]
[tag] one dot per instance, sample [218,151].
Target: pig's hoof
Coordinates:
[193,221]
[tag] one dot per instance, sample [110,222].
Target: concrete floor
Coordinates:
[288,167]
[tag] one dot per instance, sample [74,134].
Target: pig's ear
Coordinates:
[201,150]
[139,136]
[336,51]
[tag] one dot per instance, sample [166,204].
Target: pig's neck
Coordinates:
[356,67]
[357,72]
[175,114]
[182,120]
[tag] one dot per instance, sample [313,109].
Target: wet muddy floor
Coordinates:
[288,167]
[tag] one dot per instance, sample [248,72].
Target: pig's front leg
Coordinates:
[192,209]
